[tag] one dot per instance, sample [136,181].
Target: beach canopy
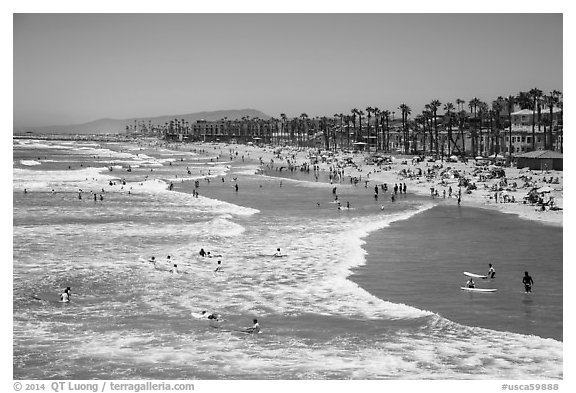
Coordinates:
[359,143]
[496,156]
[479,157]
[544,189]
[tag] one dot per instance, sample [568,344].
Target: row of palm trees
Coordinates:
[484,124]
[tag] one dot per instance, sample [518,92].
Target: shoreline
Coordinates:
[404,282]
[401,169]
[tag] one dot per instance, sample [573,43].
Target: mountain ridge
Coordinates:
[118,126]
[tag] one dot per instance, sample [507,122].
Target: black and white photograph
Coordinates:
[287,195]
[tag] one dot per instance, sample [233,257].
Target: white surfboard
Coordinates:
[478,289]
[468,274]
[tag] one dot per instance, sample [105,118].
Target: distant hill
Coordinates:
[115,126]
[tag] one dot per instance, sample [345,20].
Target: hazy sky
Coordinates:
[73,68]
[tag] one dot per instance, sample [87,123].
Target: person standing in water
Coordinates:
[528,282]
[491,271]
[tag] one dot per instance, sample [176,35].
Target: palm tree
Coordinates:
[282,125]
[448,110]
[386,116]
[510,101]
[434,105]
[304,123]
[460,103]
[536,94]
[427,125]
[354,113]
[360,113]
[474,105]
[560,127]
[376,115]
[369,111]
[482,114]
[551,101]
[497,107]
[348,119]
[405,112]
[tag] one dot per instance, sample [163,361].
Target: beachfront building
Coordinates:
[542,160]
[548,131]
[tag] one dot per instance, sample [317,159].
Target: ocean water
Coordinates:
[129,320]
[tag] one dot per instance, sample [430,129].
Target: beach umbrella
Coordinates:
[544,189]
[453,157]
[359,143]
[479,157]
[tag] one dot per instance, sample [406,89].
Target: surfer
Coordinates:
[202,252]
[254,329]
[277,253]
[219,267]
[491,271]
[470,283]
[174,269]
[204,314]
[65,296]
[527,281]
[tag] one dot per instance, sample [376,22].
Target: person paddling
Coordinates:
[65,296]
[254,329]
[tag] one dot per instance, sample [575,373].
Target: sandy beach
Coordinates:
[506,194]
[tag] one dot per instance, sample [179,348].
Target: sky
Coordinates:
[75,68]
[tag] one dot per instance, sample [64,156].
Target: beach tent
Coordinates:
[544,189]
[540,160]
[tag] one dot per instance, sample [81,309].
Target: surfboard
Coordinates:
[48,297]
[478,289]
[468,274]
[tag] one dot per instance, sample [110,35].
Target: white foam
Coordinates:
[30,162]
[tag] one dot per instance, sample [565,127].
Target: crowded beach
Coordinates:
[489,183]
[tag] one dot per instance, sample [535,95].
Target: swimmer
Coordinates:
[202,252]
[254,329]
[65,296]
